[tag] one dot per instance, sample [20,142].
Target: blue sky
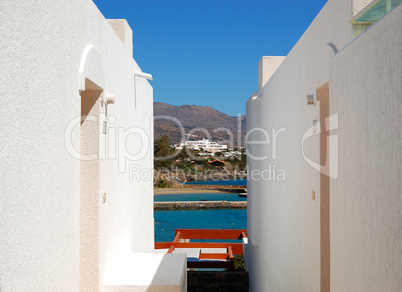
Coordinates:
[205,52]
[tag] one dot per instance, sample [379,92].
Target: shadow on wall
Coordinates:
[171,272]
[147,272]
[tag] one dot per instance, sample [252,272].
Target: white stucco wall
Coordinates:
[285,233]
[287,257]
[366,202]
[253,112]
[41,51]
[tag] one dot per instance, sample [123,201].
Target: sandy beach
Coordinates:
[175,191]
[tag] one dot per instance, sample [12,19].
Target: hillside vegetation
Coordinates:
[220,126]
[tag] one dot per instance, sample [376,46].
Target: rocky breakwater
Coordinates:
[199,205]
[222,188]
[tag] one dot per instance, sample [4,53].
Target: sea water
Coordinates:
[166,221]
[199,197]
[233,182]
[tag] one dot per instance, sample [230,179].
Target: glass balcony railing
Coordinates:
[369,15]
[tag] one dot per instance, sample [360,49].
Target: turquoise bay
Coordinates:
[167,221]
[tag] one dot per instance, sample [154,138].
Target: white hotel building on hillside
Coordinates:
[204,144]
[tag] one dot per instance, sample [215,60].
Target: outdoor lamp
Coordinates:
[311,99]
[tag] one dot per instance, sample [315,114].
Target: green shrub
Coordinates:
[238,263]
[162,183]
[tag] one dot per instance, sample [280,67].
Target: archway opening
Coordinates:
[89,187]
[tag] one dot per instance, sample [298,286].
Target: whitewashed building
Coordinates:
[76,207]
[329,116]
[204,144]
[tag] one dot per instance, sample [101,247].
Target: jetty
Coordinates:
[222,188]
[200,205]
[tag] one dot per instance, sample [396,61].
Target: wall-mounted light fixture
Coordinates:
[256,95]
[109,98]
[143,75]
[311,99]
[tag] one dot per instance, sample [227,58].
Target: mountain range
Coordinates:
[197,122]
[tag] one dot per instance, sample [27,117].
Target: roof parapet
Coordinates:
[266,68]
[124,32]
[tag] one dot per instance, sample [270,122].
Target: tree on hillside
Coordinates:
[162,146]
[243,162]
